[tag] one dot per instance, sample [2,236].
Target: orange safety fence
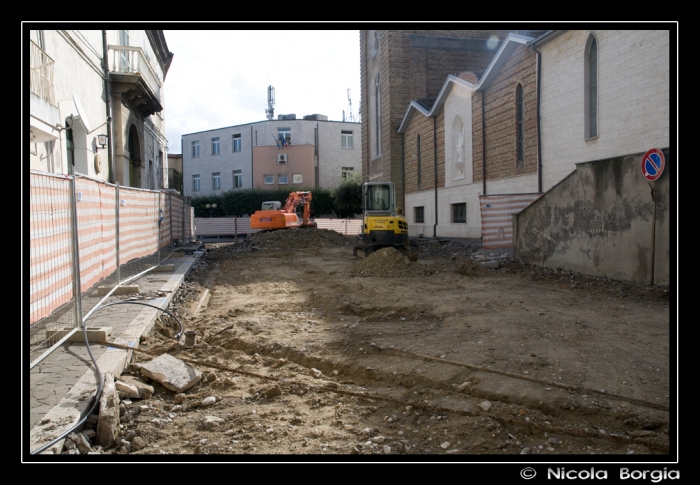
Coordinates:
[97,206]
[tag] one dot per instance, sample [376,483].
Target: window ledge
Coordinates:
[592,138]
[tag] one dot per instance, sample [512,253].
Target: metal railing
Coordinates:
[104,233]
[41,69]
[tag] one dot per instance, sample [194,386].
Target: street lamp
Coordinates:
[211,208]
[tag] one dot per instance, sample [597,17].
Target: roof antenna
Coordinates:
[270,111]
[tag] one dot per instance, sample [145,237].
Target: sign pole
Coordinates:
[653,164]
[653,231]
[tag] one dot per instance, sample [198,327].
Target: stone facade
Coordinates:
[499,106]
[68,108]
[410,64]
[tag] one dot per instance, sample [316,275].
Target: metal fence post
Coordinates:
[116,230]
[160,220]
[170,209]
[76,255]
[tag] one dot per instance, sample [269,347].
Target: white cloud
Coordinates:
[219,78]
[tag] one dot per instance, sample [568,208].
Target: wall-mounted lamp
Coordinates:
[211,208]
[102,141]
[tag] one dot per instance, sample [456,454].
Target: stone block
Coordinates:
[121,290]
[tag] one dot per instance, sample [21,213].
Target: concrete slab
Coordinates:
[94,334]
[171,372]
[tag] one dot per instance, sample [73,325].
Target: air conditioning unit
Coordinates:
[281,158]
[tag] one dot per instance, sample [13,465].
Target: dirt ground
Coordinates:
[308,350]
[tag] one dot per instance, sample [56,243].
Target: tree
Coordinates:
[348,196]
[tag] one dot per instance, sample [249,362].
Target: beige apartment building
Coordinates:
[316,153]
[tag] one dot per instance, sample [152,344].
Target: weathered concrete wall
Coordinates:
[599,221]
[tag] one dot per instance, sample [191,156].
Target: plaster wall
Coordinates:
[599,221]
[300,161]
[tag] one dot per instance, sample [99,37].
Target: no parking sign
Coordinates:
[653,164]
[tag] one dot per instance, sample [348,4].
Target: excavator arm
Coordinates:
[296,198]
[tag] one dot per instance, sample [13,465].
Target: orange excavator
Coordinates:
[273,217]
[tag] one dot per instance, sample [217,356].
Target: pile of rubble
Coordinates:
[389,263]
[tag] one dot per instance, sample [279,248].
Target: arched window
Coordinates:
[378,115]
[591,88]
[520,126]
[418,170]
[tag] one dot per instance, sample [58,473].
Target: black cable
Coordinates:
[99,375]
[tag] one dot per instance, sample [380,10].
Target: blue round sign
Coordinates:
[653,164]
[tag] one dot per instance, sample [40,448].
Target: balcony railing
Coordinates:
[132,60]
[41,73]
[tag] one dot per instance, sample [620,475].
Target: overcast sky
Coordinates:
[219,78]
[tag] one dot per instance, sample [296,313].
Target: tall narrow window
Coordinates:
[591,88]
[237,142]
[378,114]
[520,126]
[237,179]
[195,149]
[215,146]
[195,183]
[216,180]
[418,168]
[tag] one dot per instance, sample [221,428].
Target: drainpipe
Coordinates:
[317,168]
[483,143]
[435,171]
[252,177]
[539,147]
[108,108]
[403,174]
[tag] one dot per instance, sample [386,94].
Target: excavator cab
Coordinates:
[272,205]
[383,225]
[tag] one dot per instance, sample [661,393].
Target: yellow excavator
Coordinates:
[383,225]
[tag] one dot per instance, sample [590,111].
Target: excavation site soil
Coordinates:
[307,350]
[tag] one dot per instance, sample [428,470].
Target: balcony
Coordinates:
[132,75]
[42,103]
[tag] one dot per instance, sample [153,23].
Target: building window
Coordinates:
[237,179]
[269,179]
[195,183]
[459,213]
[282,178]
[520,126]
[346,171]
[216,180]
[591,88]
[284,135]
[195,149]
[237,143]
[418,168]
[346,139]
[297,178]
[378,115]
[215,146]
[419,215]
